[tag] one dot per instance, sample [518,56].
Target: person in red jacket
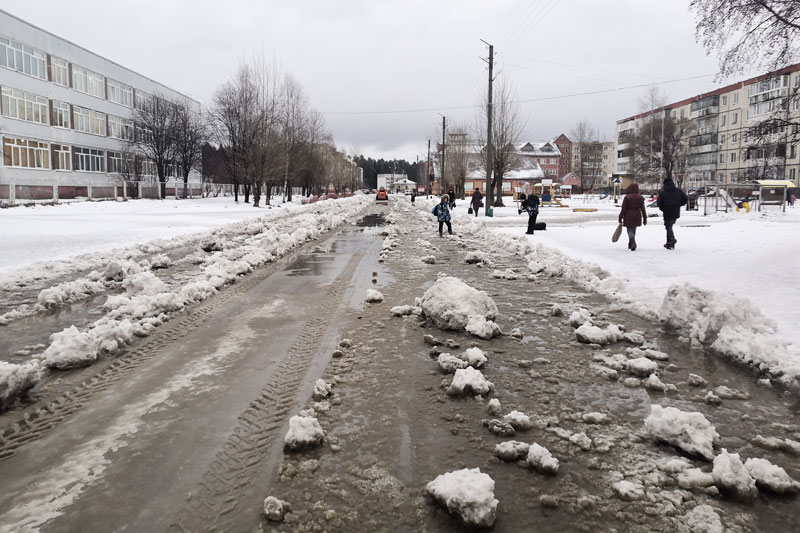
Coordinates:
[632,215]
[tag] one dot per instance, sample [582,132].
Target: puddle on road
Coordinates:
[309,265]
[372,220]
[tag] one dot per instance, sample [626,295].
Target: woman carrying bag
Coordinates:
[632,214]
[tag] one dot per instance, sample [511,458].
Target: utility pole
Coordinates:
[489,146]
[428,172]
[444,148]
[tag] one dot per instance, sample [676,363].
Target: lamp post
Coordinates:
[444,152]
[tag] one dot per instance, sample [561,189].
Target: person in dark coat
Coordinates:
[452,196]
[632,215]
[413,197]
[442,212]
[670,200]
[476,200]
[530,206]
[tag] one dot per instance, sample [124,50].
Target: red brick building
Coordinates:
[547,155]
[564,146]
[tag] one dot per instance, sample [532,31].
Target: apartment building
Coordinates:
[65,116]
[721,144]
[564,145]
[546,154]
[597,160]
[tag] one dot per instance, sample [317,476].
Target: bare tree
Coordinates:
[154,131]
[190,135]
[458,157]
[584,142]
[661,149]
[507,126]
[292,117]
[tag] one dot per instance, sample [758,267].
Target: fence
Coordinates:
[13,192]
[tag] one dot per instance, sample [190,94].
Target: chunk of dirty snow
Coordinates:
[469,493]
[689,431]
[730,475]
[144,283]
[479,326]
[727,393]
[712,399]
[16,380]
[616,361]
[508,274]
[641,366]
[557,310]
[469,381]
[771,477]
[696,381]
[595,418]
[541,460]
[703,519]
[516,333]
[402,310]
[500,428]
[304,432]
[582,441]
[511,450]
[653,383]
[429,259]
[774,443]
[494,408]
[633,338]
[482,258]
[655,355]
[475,357]
[628,491]
[632,383]
[518,420]
[589,334]
[321,390]
[373,296]
[579,316]
[71,348]
[275,509]
[694,478]
[449,303]
[675,465]
[450,363]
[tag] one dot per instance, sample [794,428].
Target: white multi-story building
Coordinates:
[721,144]
[65,115]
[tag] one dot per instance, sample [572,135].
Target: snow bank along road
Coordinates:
[544,407]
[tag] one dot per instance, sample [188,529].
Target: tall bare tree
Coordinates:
[661,149]
[154,135]
[292,118]
[584,138]
[190,135]
[507,126]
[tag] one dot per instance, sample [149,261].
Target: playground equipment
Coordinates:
[547,198]
[774,192]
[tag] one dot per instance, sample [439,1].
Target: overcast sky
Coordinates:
[400,55]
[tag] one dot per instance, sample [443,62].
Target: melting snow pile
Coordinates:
[541,460]
[480,327]
[450,303]
[469,493]
[511,450]
[373,296]
[275,509]
[304,432]
[690,432]
[16,380]
[771,477]
[469,381]
[731,475]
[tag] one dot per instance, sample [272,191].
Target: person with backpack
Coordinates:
[531,206]
[442,212]
[670,200]
[632,214]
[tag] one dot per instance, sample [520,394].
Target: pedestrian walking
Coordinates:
[632,214]
[413,197]
[452,196]
[531,206]
[477,202]
[670,201]
[442,212]
[794,199]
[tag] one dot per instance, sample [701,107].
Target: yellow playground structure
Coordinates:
[547,195]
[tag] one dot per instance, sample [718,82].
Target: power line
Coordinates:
[524,101]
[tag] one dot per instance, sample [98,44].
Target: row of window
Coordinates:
[28,153]
[28,60]
[33,108]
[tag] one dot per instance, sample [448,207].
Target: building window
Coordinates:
[724,100]
[22,58]
[119,93]
[89,121]
[735,98]
[793,151]
[61,157]
[142,99]
[722,138]
[114,162]
[59,71]
[146,167]
[88,159]
[25,153]
[723,120]
[24,106]
[792,174]
[733,138]
[721,158]
[683,113]
[88,81]
[733,157]
[120,128]
[735,118]
[60,116]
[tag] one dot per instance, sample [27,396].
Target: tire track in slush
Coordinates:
[229,479]
[37,422]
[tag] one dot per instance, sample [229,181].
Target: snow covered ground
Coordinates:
[748,255]
[47,232]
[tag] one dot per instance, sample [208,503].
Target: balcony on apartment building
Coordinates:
[704,107]
[705,161]
[706,142]
[625,136]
